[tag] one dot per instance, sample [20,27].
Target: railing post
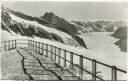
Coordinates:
[114,73]
[28,43]
[15,44]
[47,50]
[42,48]
[81,66]
[51,52]
[36,45]
[12,44]
[71,59]
[59,54]
[5,46]
[55,54]
[39,47]
[9,44]
[94,69]
[33,45]
[64,58]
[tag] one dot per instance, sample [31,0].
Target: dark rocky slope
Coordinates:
[65,26]
[121,33]
[61,24]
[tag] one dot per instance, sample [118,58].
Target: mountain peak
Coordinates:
[49,16]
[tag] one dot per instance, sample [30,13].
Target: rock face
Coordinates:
[80,41]
[23,29]
[111,28]
[121,33]
[65,26]
[24,25]
[61,24]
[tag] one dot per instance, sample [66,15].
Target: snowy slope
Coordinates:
[50,30]
[19,26]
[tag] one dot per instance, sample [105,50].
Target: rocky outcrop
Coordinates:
[121,33]
[61,24]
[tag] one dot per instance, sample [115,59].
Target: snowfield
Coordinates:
[102,48]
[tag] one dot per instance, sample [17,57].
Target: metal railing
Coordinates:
[8,45]
[57,54]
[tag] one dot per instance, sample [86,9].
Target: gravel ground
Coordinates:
[22,65]
[11,68]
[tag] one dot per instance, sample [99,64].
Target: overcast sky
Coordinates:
[72,10]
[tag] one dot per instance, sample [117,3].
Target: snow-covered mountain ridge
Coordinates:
[15,24]
[102,25]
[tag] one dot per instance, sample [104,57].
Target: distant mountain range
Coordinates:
[80,27]
[101,25]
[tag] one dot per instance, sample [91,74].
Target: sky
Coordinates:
[72,10]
